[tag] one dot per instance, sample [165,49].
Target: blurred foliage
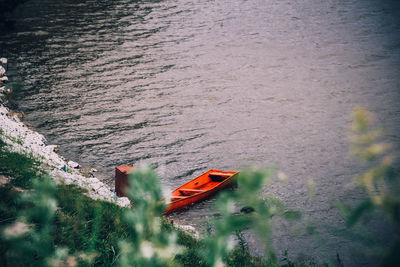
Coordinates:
[257,213]
[43,224]
[381,184]
[29,238]
[57,225]
[79,231]
[149,244]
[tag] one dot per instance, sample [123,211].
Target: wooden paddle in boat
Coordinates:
[200,188]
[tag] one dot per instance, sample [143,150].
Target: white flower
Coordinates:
[146,249]
[16,230]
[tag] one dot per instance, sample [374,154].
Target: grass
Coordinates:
[21,168]
[75,218]
[86,227]
[81,224]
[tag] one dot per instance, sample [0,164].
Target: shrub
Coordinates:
[381,184]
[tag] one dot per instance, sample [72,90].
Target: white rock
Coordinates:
[2,71]
[3,110]
[3,60]
[93,180]
[51,148]
[97,185]
[123,202]
[4,79]
[73,164]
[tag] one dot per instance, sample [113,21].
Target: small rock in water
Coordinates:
[2,71]
[247,209]
[73,164]
[93,170]
[3,60]
[4,79]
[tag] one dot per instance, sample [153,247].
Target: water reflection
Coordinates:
[189,86]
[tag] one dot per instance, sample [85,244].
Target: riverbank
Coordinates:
[78,220]
[84,214]
[24,140]
[27,141]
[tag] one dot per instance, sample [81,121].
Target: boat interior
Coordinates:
[201,184]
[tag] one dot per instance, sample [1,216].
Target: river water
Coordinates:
[191,85]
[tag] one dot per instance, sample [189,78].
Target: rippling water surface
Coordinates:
[193,85]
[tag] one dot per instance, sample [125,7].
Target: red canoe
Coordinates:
[200,188]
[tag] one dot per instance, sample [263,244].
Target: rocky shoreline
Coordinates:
[24,140]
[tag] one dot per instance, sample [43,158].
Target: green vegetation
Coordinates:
[21,168]
[44,224]
[74,224]
[11,138]
[381,185]
[150,245]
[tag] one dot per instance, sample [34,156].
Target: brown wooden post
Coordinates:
[122,179]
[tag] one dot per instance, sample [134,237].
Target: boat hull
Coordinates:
[200,189]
